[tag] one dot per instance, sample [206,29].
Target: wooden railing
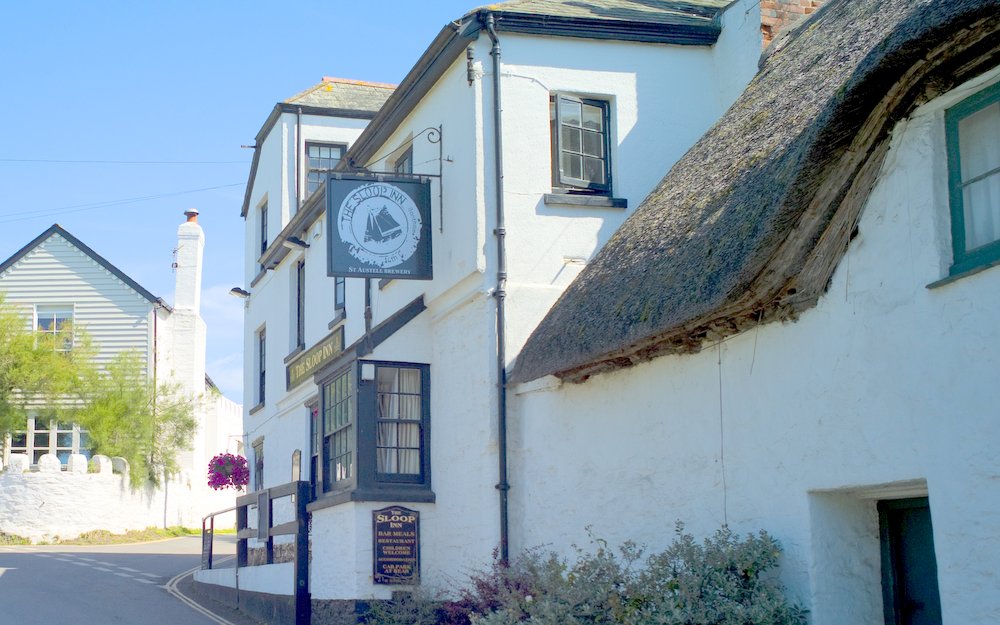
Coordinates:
[300,494]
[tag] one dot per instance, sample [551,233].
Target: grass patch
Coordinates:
[104,537]
[13,539]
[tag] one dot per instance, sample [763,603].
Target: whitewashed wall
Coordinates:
[886,389]
[52,504]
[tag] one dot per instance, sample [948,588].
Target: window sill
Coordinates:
[257,408]
[341,315]
[295,352]
[596,201]
[389,494]
[962,274]
[258,278]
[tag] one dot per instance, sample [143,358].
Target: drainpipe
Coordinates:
[500,293]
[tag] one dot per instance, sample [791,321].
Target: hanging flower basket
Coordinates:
[228,471]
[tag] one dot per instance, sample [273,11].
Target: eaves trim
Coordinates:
[697,34]
[100,260]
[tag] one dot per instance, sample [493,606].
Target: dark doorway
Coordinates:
[909,568]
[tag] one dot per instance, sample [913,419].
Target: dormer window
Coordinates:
[321,158]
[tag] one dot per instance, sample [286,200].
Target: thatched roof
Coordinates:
[749,225]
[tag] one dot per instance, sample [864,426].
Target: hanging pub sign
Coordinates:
[396,538]
[378,227]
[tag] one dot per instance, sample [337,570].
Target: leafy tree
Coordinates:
[35,375]
[127,416]
[118,404]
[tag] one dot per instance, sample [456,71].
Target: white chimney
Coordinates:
[187,366]
[190,250]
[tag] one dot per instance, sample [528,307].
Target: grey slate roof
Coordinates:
[750,224]
[343,94]
[650,11]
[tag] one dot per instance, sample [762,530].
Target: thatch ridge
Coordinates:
[749,225]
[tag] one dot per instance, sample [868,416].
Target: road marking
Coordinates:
[101,568]
[125,568]
[144,581]
[80,563]
[149,575]
[123,575]
[171,587]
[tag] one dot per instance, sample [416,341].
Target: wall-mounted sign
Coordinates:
[378,228]
[315,357]
[396,537]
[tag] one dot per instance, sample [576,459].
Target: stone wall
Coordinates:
[777,15]
[48,503]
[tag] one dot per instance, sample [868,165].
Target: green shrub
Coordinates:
[724,580]
[13,539]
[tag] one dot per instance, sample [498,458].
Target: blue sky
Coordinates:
[169,92]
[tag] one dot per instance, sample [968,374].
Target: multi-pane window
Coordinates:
[258,465]
[580,144]
[315,447]
[973,136]
[48,436]
[261,364]
[321,158]
[404,164]
[339,295]
[300,304]
[375,432]
[262,230]
[338,430]
[399,421]
[53,321]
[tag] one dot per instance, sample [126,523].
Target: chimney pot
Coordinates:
[192,215]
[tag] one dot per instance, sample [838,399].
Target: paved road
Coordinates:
[128,584]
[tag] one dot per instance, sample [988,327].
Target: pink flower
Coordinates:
[228,471]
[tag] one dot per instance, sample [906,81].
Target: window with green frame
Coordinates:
[972,130]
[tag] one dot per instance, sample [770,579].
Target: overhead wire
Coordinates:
[117,162]
[76,208]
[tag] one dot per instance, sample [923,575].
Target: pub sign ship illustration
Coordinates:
[378,227]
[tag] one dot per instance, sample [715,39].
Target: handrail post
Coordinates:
[303,598]
[241,543]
